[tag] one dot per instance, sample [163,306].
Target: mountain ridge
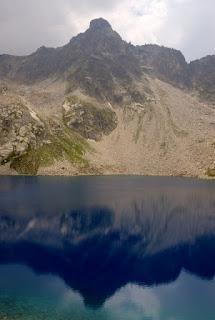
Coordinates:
[107,106]
[56,61]
[97,26]
[167,64]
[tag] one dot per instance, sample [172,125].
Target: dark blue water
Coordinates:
[107,248]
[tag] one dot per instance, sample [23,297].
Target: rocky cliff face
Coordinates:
[167,64]
[20,129]
[202,72]
[88,119]
[101,105]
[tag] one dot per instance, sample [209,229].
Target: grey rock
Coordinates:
[18,130]
[23,131]
[6,151]
[89,120]
[21,148]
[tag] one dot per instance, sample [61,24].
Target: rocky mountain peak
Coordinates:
[100,24]
[100,30]
[100,37]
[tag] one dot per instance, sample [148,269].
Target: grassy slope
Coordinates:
[68,146]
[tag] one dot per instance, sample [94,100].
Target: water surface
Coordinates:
[107,248]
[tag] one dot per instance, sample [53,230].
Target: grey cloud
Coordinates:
[29,24]
[194,20]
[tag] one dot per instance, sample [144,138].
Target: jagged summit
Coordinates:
[99,62]
[100,24]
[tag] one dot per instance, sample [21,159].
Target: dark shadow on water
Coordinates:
[114,233]
[100,264]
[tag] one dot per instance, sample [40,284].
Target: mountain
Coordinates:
[106,106]
[203,77]
[166,64]
[97,61]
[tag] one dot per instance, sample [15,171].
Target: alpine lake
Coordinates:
[107,248]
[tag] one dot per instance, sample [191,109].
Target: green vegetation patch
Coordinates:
[26,164]
[211,172]
[70,147]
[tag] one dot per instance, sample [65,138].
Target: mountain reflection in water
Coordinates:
[100,234]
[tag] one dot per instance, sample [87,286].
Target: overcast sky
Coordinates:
[188,25]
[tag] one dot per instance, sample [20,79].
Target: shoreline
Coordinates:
[203,178]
